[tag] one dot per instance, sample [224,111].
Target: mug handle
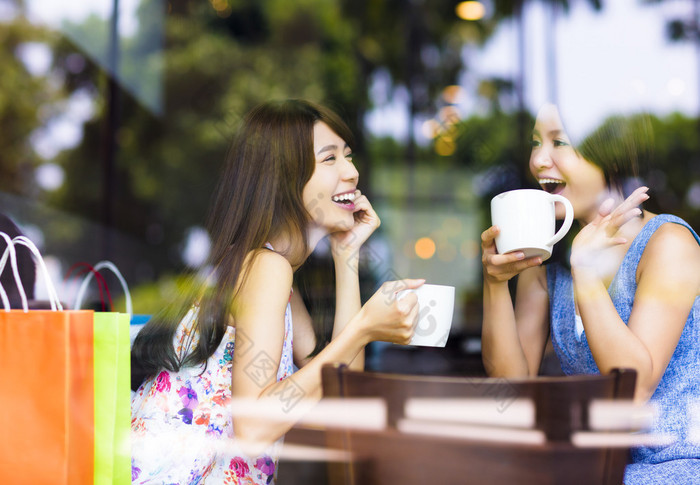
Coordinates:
[568,219]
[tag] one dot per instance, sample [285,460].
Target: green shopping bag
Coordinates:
[112,398]
[112,364]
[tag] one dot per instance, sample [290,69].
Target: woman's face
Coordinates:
[330,192]
[559,169]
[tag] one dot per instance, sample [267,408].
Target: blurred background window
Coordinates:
[115,116]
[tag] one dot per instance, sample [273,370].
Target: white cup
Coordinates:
[526,218]
[436,307]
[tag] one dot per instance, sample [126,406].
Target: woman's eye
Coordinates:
[560,143]
[349,156]
[330,159]
[534,143]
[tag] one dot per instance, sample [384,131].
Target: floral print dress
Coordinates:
[181,427]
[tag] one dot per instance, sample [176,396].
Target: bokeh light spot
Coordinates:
[425,248]
[470,10]
[445,146]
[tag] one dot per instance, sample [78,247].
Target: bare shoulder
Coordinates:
[672,240]
[672,247]
[266,273]
[265,261]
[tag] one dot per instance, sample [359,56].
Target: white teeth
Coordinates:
[550,181]
[341,197]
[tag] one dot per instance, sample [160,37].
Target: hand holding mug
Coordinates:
[522,234]
[436,308]
[526,219]
[390,319]
[499,268]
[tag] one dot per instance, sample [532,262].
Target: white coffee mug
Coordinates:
[436,307]
[526,219]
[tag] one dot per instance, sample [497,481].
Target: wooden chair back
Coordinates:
[560,409]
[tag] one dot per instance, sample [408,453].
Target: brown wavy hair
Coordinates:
[258,197]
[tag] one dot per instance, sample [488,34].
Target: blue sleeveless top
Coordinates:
[679,387]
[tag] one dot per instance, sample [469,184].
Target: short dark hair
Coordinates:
[623,148]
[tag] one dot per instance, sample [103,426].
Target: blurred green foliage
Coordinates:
[217,60]
[26,101]
[206,63]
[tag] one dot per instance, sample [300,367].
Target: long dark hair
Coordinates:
[258,197]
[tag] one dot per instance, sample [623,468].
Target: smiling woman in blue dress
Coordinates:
[626,296]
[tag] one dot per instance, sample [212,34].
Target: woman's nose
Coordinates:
[541,158]
[349,171]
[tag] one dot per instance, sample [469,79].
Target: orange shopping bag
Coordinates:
[46,387]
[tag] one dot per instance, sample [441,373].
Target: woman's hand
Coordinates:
[499,268]
[589,247]
[347,243]
[386,318]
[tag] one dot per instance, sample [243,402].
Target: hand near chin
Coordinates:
[590,247]
[365,222]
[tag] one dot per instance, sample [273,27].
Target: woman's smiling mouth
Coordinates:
[553,186]
[345,200]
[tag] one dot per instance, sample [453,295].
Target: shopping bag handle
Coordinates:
[101,283]
[50,288]
[110,266]
[10,251]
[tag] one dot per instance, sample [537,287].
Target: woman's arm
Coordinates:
[347,297]
[513,338]
[259,317]
[345,247]
[668,279]
[532,316]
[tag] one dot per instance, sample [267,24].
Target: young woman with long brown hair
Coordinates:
[288,182]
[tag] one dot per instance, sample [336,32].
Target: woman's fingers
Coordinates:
[405,299]
[412,320]
[624,217]
[488,239]
[606,207]
[627,210]
[411,283]
[633,200]
[490,234]
[364,211]
[504,266]
[406,302]
[361,201]
[515,258]
[639,195]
